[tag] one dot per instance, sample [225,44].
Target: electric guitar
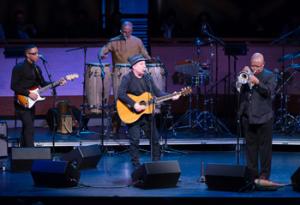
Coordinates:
[129,116]
[27,102]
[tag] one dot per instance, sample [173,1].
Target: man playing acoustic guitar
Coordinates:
[138,82]
[25,76]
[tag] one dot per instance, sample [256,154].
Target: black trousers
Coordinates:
[134,130]
[259,148]
[27,118]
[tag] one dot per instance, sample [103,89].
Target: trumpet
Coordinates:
[244,76]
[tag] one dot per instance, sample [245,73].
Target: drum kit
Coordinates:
[196,75]
[199,76]
[111,82]
[284,121]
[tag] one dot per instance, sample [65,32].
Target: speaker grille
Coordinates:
[54,173]
[228,177]
[156,174]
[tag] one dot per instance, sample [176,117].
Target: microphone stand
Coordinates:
[54,93]
[83,120]
[102,104]
[147,78]
[239,130]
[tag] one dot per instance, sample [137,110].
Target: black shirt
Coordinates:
[130,84]
[26,75]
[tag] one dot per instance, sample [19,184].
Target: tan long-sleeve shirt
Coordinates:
[122,49]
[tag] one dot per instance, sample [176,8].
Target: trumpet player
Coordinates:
[256,86]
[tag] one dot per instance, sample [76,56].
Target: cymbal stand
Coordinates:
[285,122]
[190,114]
[186,120]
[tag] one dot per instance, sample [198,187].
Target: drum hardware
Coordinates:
[167,118]
[284,122]
[289,56]
[204,120]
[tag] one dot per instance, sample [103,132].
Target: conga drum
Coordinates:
[119,71]
[157,72]
[93,86]
[158,75]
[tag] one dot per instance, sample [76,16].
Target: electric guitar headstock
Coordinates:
[71,76]
[186,91]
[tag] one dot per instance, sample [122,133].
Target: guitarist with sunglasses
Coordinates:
[27,75]
[137,82]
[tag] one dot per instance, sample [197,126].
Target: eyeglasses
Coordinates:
[257,66]
[36,53]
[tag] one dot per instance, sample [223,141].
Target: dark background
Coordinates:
[89,18]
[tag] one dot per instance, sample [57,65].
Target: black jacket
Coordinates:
[25,76]
[256,103]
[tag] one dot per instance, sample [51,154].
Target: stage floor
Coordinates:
[45,138]
[110,183]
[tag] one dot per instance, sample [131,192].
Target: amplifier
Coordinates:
[3,139]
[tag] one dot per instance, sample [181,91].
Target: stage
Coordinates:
[110,181]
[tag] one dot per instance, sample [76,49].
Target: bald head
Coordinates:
[257,62]
[257,57]
[126,29]
[126,23]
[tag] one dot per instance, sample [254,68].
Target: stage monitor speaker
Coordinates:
[48,173]
[21,158]
[85,156]
[3,146]
[156,174]
[295,178]
[228,177]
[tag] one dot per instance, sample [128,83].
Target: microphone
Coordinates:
[205,28]
[123,38]
[43,58]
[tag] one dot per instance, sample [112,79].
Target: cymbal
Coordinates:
[289,56]
[294,66]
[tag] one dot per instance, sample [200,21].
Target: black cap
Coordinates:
[135,59]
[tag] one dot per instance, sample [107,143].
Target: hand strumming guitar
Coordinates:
[33,96]
[62,81]
[139,107]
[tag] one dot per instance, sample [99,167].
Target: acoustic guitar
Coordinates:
[129,116]
[27,102]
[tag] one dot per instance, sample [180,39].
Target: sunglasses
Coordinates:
[36,53]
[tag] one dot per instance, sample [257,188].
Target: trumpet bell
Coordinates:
[243,78]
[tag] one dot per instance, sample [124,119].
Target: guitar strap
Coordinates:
[37,73]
